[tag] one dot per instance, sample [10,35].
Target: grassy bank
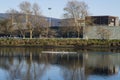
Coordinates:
[60,42]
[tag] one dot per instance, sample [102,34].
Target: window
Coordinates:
[112,19]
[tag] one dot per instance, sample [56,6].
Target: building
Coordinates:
[104,20]
[53,22]
[92,27]
[72,22]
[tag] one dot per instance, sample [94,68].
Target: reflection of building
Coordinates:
[104,20]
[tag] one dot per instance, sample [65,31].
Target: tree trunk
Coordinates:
[47,32]
[39,35]
[78,32]
[30,34]
[23,36]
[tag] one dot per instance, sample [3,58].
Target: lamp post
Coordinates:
[50,17]
[49,23]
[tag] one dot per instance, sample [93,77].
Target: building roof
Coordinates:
[102,16]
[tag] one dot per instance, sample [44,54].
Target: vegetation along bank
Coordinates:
[61,42]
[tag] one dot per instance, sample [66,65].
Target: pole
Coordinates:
[49,23]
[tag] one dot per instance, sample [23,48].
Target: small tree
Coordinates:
[103,33]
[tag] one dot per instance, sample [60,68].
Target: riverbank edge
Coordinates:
[60,43]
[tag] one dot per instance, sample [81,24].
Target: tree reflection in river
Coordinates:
[31,64]
[26,70]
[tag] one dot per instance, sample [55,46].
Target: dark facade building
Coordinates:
[104,20]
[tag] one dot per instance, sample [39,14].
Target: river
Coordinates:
[25,63]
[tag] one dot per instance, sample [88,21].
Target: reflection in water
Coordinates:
[31,64]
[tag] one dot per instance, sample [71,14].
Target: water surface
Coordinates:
[32,64]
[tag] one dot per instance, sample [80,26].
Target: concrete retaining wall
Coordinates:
[100,32]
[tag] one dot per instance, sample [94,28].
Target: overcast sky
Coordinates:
[96,7]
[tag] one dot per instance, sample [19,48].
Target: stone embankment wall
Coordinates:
[101,32]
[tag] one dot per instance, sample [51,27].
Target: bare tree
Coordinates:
[36,9]
[34,18]
[77,11]
[17,20]
[21,29]
[29,18]
[26,9]
[20,24]
[38,21]
[67,29]
[41,26]
[6,27]
[12,15]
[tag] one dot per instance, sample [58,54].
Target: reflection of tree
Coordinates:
[65,73]
[73,71]
[15,69]
[73,74]
[39,71]
[4,63]
[23,69]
